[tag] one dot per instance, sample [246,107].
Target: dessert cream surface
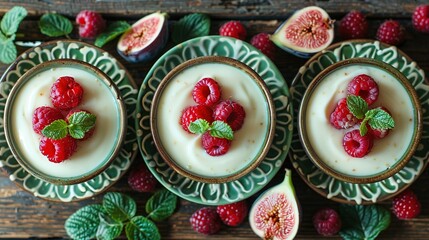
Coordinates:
[327,140]
[97,99]
[185,148]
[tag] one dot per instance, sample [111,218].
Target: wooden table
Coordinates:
[23,215]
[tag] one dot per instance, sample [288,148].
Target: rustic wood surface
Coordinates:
[25,216]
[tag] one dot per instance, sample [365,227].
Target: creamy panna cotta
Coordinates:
[326,141]
[185,148]
[98,99]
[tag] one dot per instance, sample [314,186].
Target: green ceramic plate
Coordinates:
[109,65]
[330,187]
[204,193]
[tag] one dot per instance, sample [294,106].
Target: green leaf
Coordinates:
[190,26]
[141,228]
[363,129]
[83,224]
[55,25]
[357,106]
[108,229]
[161,205]
[199,126]
[363,221]
[8,51]
[380,119]
[220,129]
[80,123]
[11,20]
[120,207]
[113,30]
[56,130]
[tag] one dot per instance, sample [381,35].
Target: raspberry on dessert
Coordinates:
[141,179]
[365,87]
[356,145]
[192,113]
[327,222]
[379,133]
[66,93]
[420,18]
[353,25]
[341,117]
[206,221]
[58,150]
[233,29]
[263,42]
[90,23]
[406,205]
[43,116]
[89,133]
[391,32]
[206,92]
[231,113]
[215,146]
[233,214]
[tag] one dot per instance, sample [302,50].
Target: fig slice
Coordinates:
[306,32]
[145,39]
[276,213]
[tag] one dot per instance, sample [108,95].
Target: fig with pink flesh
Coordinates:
[307,31]
[276,214]
[145,39]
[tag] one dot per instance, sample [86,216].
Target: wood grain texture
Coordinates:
[23,215]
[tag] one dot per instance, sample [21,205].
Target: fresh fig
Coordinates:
[306,32]
[145,39]
[275,214]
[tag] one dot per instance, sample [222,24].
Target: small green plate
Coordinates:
[346,192]
[128,89]
[246,186]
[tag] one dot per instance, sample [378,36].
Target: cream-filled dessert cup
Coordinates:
[323,142]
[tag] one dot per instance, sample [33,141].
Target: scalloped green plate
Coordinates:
[333,188]
[109,65]
[246,186]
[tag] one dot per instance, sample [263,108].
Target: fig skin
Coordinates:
[152,49]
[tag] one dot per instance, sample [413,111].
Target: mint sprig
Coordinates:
[217,129]
[55,25]
[191,26]
[113,30]
[78,124]
[9,26]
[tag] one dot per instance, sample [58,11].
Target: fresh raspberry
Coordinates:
[206,92]
[66,93]
[215,146]
[58,150]
[141,179]
[231,113]
[233,214]
[406,205]
[90,23]
[233,29]
[206,221]
[263,42]
[353,25]
[43,116]
[192,113]
[356,145]
[365,87]
[341,117]
[87,134]
[327,222]
[379,133]
[391,32]
[421,18]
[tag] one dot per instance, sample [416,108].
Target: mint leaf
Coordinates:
[108,229]
[56,130]
[84,223]
[55,25]
[141,228]
[357,106]
[363,129]
[11,20]
[190,26]
[220,129]
[161,205]
[8,51]
[80,123]
[363,221]
[113,30]
[119,206]
[380,119]
[199,126]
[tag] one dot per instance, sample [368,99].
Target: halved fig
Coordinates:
[145,39]
[306,32]
[276,214]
